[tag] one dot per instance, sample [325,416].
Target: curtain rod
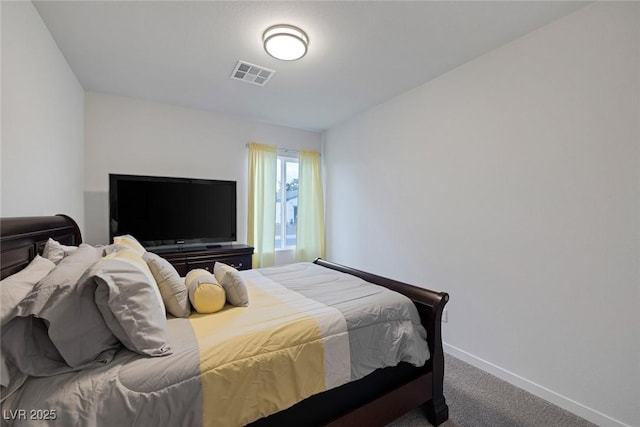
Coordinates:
[283,149]
[278,148]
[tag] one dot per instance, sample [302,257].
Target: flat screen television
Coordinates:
[160,211]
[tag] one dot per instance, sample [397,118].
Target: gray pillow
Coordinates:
[13,290]
[130,302]
[12,379]
[58,327]
[233,284]
[16,287]
[175,294]
[5,378]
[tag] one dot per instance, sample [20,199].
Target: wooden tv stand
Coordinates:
[187,259]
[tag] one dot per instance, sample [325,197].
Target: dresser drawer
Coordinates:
[237,262]
[204,264]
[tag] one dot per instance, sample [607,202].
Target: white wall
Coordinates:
[513,183]
[129,136]
[42,121]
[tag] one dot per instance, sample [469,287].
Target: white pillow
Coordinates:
[55,251]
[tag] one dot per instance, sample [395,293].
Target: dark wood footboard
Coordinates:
[430,305]
[385,394]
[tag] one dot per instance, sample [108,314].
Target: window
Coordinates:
[286,201]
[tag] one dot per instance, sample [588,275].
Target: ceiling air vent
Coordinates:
[251,73]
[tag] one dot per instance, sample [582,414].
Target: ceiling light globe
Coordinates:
[285,42]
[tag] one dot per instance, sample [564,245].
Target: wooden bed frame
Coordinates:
[375,400]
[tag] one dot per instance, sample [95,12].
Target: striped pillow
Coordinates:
[205,293]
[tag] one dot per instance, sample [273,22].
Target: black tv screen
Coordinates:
[165,211]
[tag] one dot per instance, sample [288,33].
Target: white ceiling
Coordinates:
[360,53]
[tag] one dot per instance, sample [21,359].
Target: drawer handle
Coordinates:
[237,266]
[206,268]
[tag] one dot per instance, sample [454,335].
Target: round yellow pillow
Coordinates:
[205,293]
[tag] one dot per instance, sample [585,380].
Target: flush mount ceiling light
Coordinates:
[285,42]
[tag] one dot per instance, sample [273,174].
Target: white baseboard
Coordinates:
[572,406]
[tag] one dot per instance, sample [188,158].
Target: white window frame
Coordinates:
[283,158]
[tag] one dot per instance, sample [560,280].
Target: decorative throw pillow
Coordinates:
[130,241]
[58,324]
[172,287]
[233,284]
[130,302]
[205,293]
[55,251]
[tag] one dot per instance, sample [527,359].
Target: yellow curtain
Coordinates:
[310,225]
[261,227]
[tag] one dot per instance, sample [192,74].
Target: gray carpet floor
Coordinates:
[479,399]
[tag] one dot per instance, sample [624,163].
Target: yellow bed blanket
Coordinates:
[260,359]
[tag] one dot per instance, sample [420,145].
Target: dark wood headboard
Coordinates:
[22,238]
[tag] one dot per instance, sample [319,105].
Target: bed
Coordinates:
[375,399]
